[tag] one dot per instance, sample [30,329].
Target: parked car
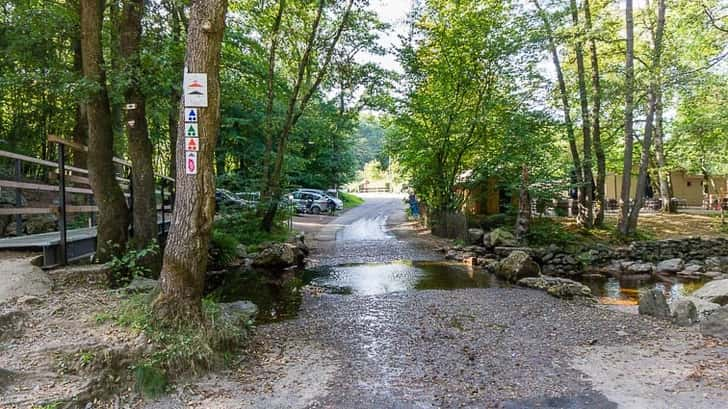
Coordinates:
[225,198]
[311,202]
[339,203]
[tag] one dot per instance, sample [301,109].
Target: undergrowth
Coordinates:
[130,263]
[244,226]
[189,348]
[565,233]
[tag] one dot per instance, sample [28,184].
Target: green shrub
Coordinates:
[223,249]
[244,226]
[543,231]
[495,221]
[130,263]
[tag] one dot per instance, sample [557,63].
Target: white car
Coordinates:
[339,203]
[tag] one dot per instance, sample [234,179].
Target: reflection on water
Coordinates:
[369,279]
[627,290]
[279,300]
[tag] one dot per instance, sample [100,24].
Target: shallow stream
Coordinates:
[281,299]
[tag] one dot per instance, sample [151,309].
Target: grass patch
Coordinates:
[179,350]
[350,200]
[564,232]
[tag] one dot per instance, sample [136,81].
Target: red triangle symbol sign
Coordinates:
[191,144]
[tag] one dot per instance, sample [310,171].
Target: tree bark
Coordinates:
[177,23]
[140,147]
[663,176]
[80,127]
[270,96]
[113,226]
[596,120]
[623,224]
[586,206]
[656,70]
[564,97]
[185,257]
[523,220]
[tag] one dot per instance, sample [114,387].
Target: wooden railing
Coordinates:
[69,178]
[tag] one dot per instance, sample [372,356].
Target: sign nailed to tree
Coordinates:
[195,87]
[191,115]
[191,163]
[192,144]
[192,131]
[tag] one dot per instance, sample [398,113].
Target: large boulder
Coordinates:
[714,291]
[499,238]
[684,313]
[704,308]
[716,325]
[240,313]
[142,285]
[516,266]
[557,286]
[475,236]
[672,265]
[279,255]
[640,268]
[653,303]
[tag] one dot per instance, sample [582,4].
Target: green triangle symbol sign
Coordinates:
[191,131]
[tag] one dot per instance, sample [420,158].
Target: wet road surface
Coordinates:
[388,344]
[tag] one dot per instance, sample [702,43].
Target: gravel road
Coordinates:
[468,348]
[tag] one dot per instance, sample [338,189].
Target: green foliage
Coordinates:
[467,103]
[223,248]
[149,380]
[178,350]
[545,231]
[350,200]
[244,227]
[128,264]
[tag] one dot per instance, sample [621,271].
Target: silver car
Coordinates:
[339,203]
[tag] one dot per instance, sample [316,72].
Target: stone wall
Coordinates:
[693,248]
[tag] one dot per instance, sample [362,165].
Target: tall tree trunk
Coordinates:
[140,147]
[623,224]
[113,226]
[663,176]
[655,73]
[596,120]
[270,99]
[570,134]
[185,256]
[523,220]
[117,112]
[177,23]
[586,206]
[80,127]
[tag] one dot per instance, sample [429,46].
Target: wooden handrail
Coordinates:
[82,148]
[30,159]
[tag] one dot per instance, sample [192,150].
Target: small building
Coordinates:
[692,189]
